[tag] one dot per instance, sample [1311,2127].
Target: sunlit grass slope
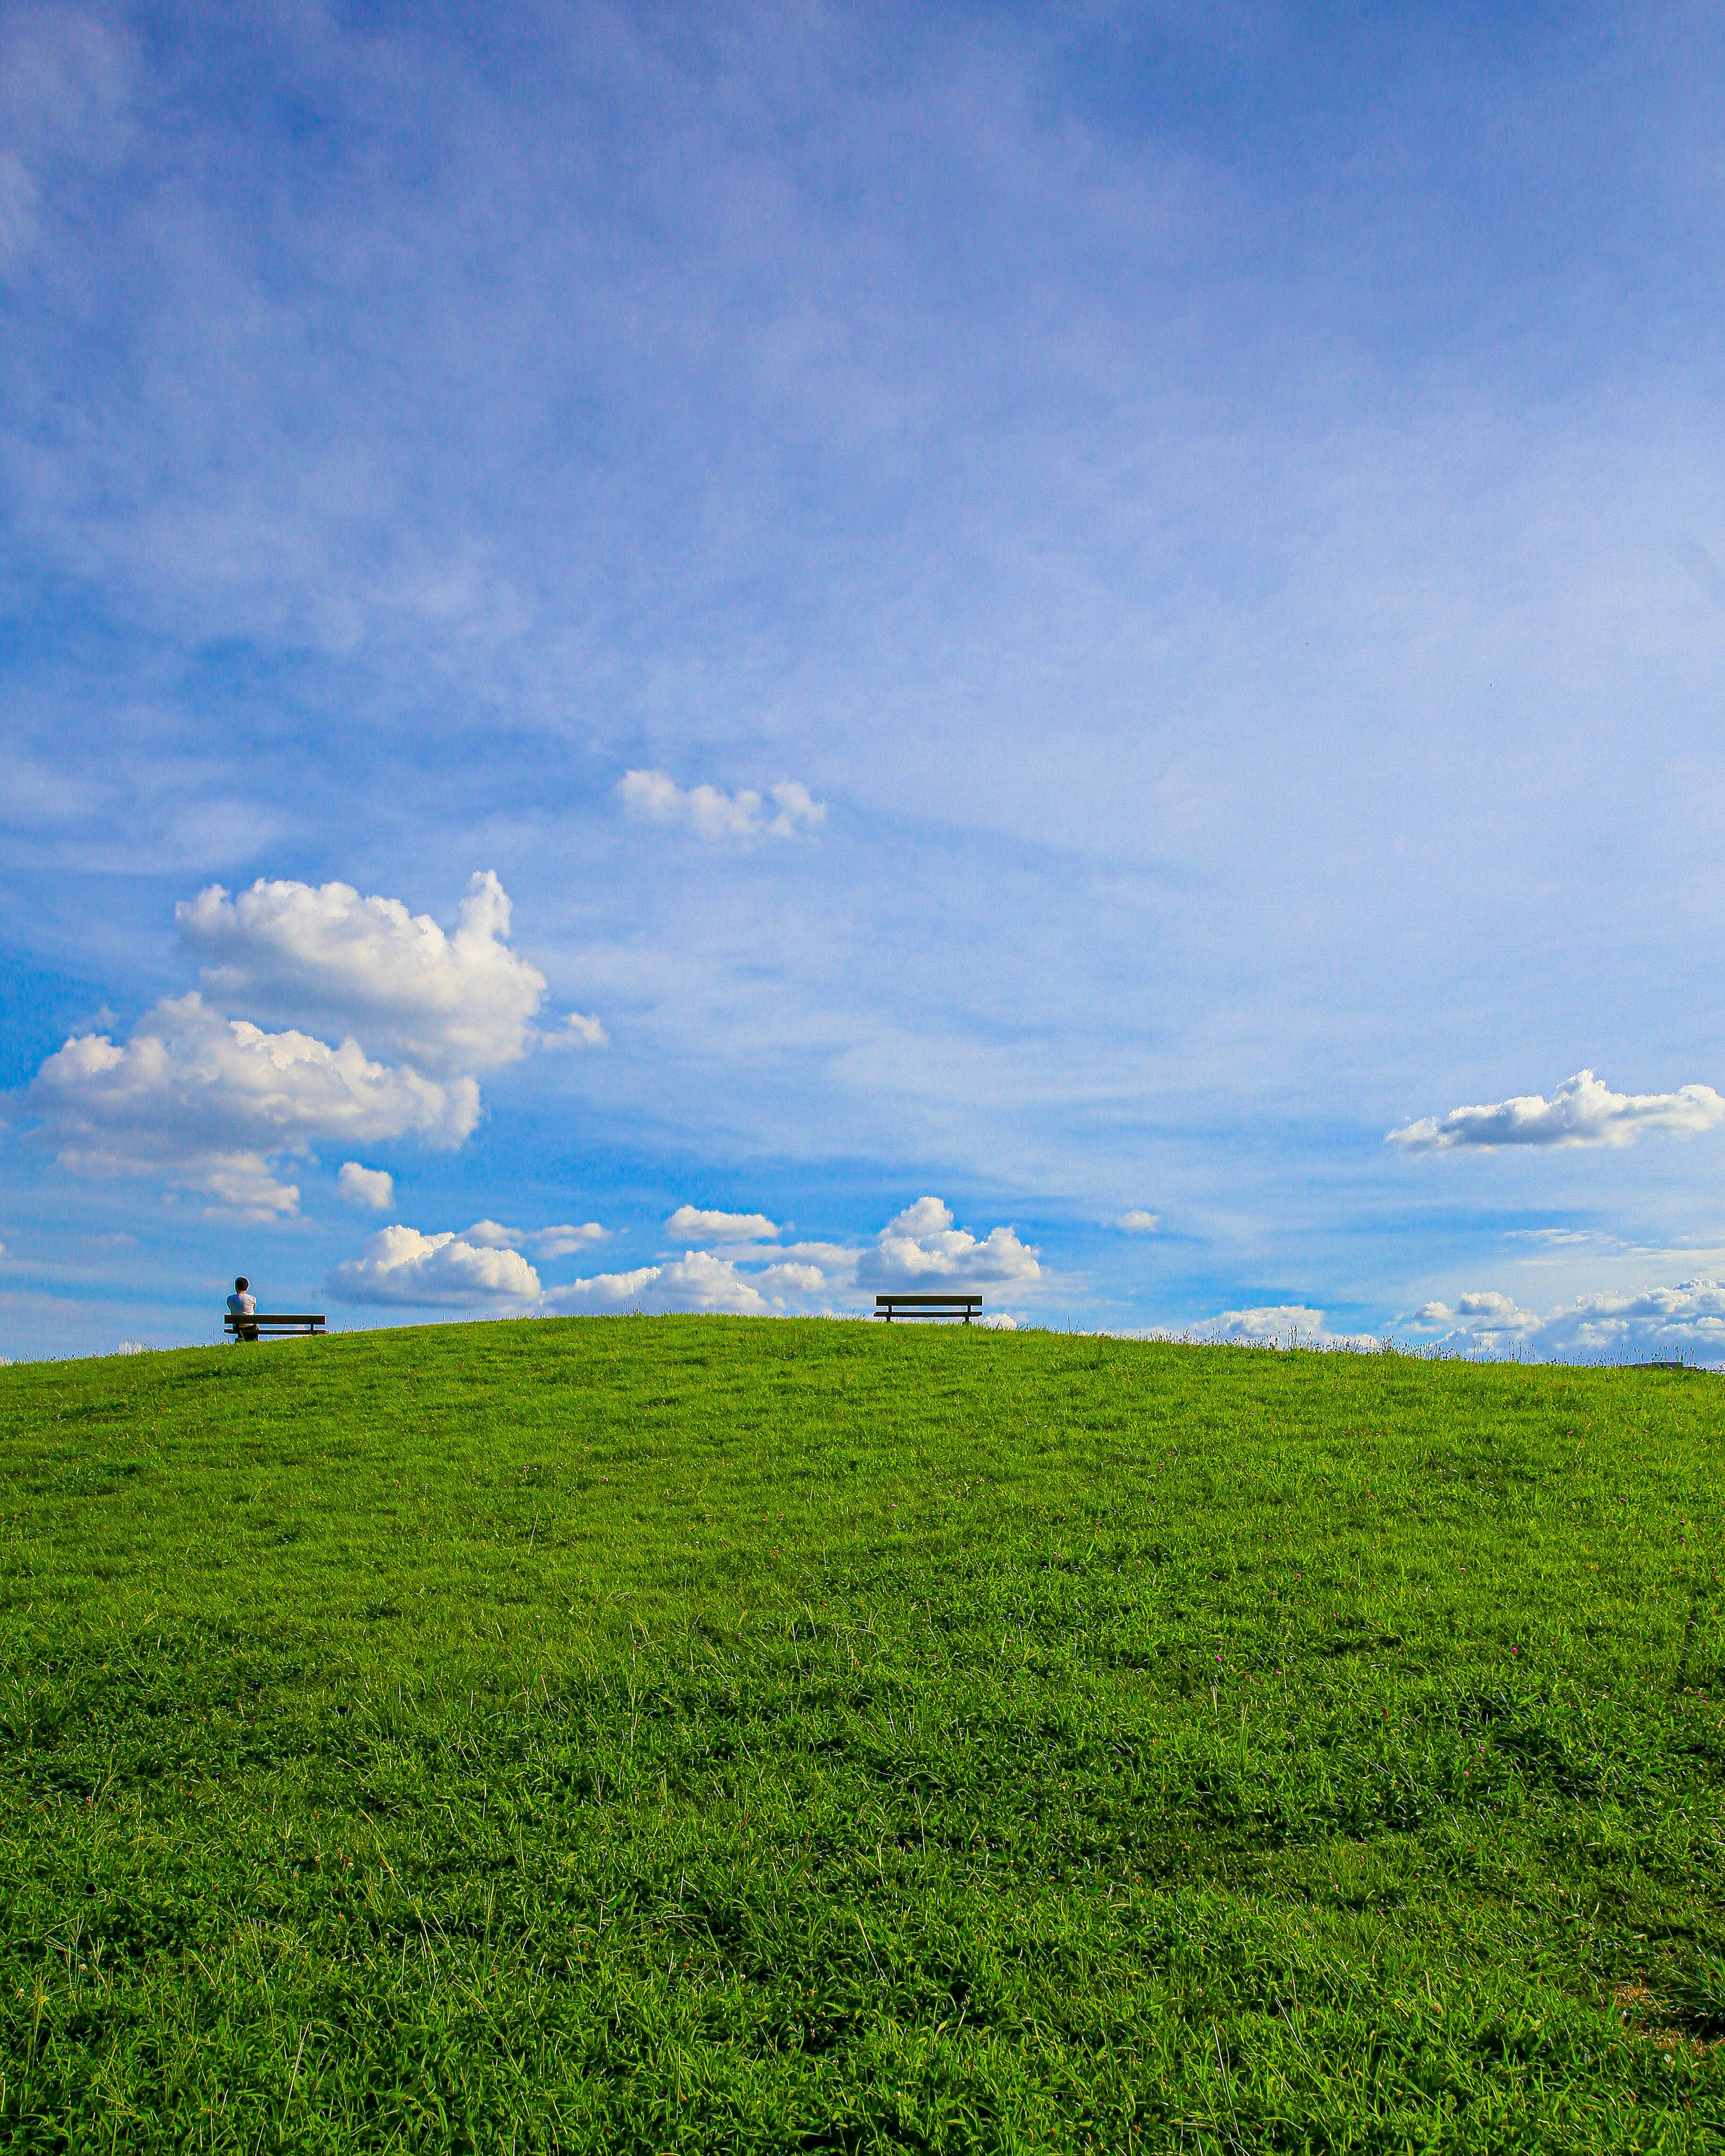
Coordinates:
[641,1734]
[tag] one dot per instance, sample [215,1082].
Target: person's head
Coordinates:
[241,1285]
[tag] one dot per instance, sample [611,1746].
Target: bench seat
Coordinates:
[966,1306]
[273,1321]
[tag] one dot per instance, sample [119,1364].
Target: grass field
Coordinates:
[665,1733]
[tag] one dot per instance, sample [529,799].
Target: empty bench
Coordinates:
[273,1322]
[966,1306]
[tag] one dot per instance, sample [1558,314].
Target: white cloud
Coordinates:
[722,1227]
[242,1184]
[400,1265]
[374,1187]
[697,1282]
[1582,1112]
[213,1104]
[1267,1325]
[1138,1223]
[559,1241]
[544,1242]
[491,1235]
[577,1030]
[922,1247]
[710,813]
[1648,1324]
[460,1002]
[205,1099]
[132,1347]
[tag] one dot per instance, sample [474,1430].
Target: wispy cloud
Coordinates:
[1582,1112]
[1139,1223]
[579,1030]
[587,402]
[558,1242]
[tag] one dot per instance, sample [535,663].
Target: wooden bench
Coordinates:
[262,1322]
[928,1305]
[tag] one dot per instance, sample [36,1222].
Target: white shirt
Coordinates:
[242,1306]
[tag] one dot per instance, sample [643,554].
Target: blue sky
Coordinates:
[1212,520]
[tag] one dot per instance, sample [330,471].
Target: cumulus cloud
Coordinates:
[394,981]
[697,1282]
[921,1247]
[1582,1112]
[710,813]
[205,1100]
[399,1265]
[1139,1223]
[1646,1325]
[374,1187]
[215,1104]
[1276,1325]
[721,1227]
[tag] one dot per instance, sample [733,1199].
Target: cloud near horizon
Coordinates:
[1273,1325]
[697,1282]
[1582,1112]
[400,1266]
[920,1246]
[653,797]
[1648,1324]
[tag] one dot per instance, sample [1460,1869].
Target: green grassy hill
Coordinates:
[641,1734]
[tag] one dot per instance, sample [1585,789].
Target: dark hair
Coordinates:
[241,1285]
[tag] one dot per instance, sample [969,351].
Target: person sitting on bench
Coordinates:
[243,1304]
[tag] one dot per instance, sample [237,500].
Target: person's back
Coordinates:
[243,1304]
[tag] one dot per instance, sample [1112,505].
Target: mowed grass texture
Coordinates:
[702,1733]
